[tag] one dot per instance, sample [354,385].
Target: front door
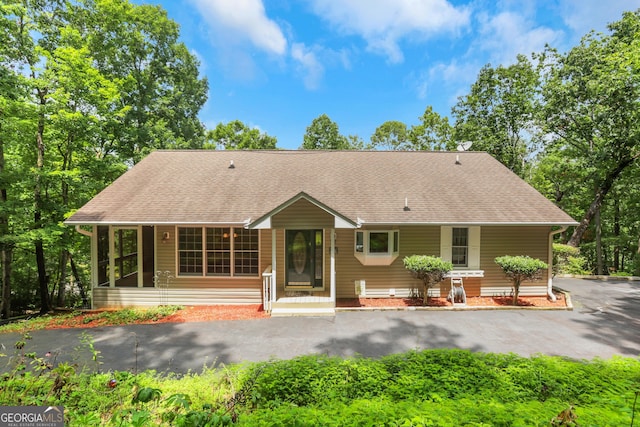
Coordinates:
[305,258]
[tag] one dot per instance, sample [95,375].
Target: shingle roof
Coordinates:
[199,187]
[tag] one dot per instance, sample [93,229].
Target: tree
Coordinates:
[235,135]
[87,88]
[520,269]
[592,108]
[429,269]
[161,90]
[498,114]
[434,133]
[391,135]
[323,134]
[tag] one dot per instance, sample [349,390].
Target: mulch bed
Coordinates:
[207,313]
[500,301]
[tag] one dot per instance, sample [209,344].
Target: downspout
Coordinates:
[550,293]
[83,231]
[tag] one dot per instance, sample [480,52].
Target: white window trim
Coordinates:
[473,253]
[376,258]
[204,275]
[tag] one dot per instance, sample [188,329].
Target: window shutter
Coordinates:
[445,243]
[474,248]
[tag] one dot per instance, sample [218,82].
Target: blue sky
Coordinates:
[278,64]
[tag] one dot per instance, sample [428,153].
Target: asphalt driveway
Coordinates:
[605,322]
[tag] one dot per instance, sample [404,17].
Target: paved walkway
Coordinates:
[605,322]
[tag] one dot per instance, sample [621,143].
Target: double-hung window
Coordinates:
[218,251]
[377,247]
[460,247]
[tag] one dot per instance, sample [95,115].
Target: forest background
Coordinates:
[88,88]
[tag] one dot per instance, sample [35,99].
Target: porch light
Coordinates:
[165,237]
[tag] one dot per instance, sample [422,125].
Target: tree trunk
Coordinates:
[43,282]
[516,289]
[616,233]
[62,279]
[7,255]
[599,264]
[6,247]
[601,193]
[83,294]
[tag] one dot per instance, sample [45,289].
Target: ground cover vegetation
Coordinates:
[88,88]
[416,388]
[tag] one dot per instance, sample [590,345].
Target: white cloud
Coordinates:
[240,21]
[383,23]
[308,62]
[508,34]
[583,16]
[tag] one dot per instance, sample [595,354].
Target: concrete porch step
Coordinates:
[302,311]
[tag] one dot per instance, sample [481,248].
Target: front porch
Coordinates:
[293,303]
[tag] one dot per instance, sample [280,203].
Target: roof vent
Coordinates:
[231,165]
[458,160]
[406,204]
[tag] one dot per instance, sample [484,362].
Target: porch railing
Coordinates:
[268,289]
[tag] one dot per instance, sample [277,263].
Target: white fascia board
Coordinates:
[129,223]
[560,224]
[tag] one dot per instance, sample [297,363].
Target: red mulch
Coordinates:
[442,302]
[207,313]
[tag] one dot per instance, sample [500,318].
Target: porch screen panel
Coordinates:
[103,255]
[218,251]
[246,252]
[190,251]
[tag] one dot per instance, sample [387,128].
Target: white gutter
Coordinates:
[550,262]
[83,232]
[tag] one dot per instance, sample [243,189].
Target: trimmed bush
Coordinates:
[429,269]
[519,269]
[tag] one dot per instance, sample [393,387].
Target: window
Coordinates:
[245,252]
[460,247]
[222,248]
[190,251]
[377,247]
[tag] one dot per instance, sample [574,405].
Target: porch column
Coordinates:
[332,294]
[273,265]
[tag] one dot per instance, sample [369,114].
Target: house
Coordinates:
[295,230]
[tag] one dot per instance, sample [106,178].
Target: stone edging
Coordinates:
[596,277]
[567,298]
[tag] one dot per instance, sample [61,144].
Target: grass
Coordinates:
[77,318]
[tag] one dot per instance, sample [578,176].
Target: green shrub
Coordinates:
[519,269]
[567,260]
[429,269]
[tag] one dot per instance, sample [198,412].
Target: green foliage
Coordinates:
[519,269]
[235,135]
[497,115]
[132,315]
[524,267]
[417,388]
[567,260]
[429,269]
[114,317]
[323,134]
